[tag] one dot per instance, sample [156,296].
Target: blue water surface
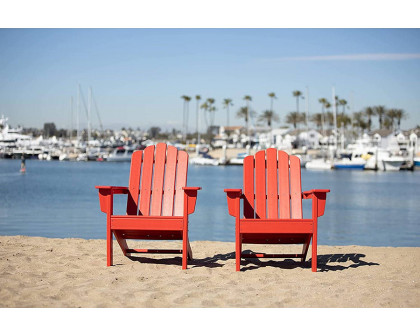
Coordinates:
[59,199]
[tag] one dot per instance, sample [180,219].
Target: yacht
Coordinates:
[121,154]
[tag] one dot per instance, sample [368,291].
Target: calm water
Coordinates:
[58,199]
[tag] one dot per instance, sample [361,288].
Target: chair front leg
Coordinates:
[109,238]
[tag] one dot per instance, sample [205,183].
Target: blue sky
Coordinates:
[138,75]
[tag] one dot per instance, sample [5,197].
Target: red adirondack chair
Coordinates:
[158,202]
[272,206]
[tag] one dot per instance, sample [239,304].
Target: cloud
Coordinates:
[352,57]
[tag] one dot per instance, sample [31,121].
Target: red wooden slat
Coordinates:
[284,193]
[134,183]
[181,181]
[272,193]
[295,187]
[249,187]
[169,188]
[260,190]
[146,180]
[158,173]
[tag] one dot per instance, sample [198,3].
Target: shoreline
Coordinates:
[72,272]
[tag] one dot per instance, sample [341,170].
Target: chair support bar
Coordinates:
[269,255]
[153,251]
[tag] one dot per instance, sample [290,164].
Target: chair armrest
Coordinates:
[107,192]
[320,195]
[190,198]
[233,199]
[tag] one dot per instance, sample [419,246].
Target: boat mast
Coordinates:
[78,111]
[307,114]
[335,118]
[71,119]
[89,105]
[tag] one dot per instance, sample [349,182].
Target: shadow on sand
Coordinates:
[326,262]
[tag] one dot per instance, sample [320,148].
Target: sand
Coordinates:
[45,272]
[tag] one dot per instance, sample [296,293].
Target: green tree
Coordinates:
[380,111]
[268,116]
[295,118]
[369,112]
[211,110]
[272,96]
[297,94]
[318,120]
[185,114]
[360,121]
[399,115]
[324,103]
[226,103]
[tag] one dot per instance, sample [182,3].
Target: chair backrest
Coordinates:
[157,175]
[272,185]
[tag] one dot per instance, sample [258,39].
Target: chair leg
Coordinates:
[190,255]
[305,249]
[238,253]
[109,246]
[314,253]
[185,251]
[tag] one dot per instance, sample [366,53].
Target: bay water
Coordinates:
[58,199]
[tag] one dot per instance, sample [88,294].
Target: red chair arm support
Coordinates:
[321,195]
[107,192]
[191,193]
[233,199]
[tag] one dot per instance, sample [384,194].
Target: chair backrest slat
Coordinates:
[260,190]
[295,187]
[272,193]
[169,187]
[273,179]
[158,174]
[134,183]
[181,181]
[284,191]
[249,186]
[146,180]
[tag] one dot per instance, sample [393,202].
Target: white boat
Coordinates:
[382,159]
[393,163]
[416,163]
[318,164]
[239,160]
[204,160]
[121,154]
[354,162]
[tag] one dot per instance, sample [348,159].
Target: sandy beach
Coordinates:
[45,272]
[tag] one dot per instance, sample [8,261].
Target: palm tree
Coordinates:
[318,119]
[211,109]
[343,103]
[323,102]
[369,112]
[343,120]
[400,114]
[185,115]
[205,106]
[226,103]
[272,96]
[294,118]
[359,120]
[297,94]
[380,111]
[269,116]
[197,117]
[248,98]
